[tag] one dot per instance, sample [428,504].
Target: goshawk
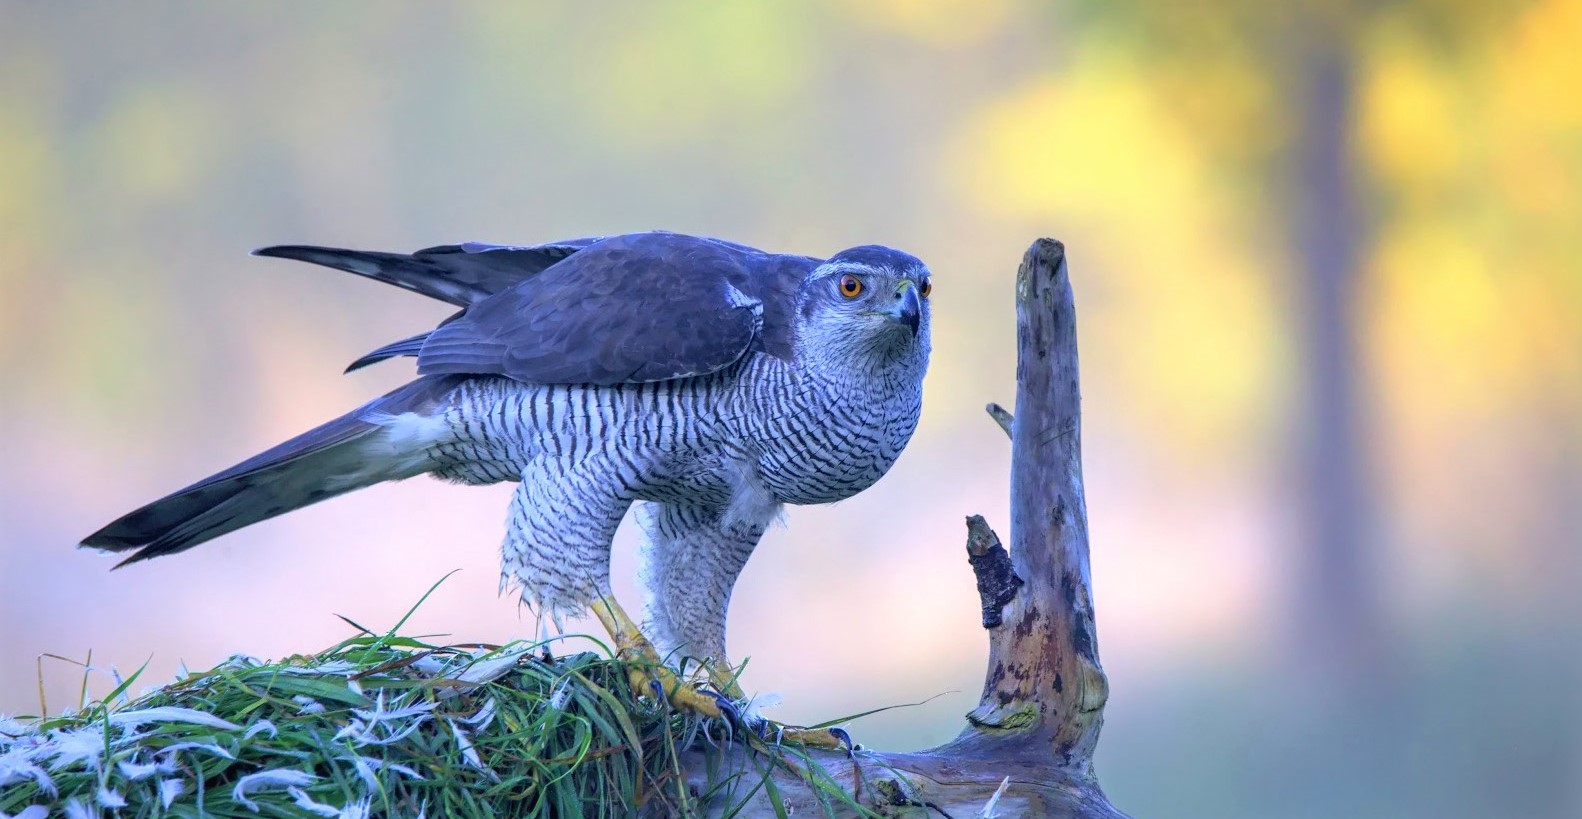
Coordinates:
[708,381]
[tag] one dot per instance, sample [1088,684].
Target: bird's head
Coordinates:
[868,307]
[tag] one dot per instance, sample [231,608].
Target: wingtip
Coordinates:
[101,541]
[137,557]
[297,253]
[108,547]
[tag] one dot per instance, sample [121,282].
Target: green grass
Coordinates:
[388,725]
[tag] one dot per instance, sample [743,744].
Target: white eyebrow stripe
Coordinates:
[852,267]
[917,272]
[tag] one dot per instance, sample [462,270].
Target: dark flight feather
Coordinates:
[329,460]
[460,274]
[410,345]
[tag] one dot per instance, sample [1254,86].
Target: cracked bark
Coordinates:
[1038,719]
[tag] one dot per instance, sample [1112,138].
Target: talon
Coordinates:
[729,716]
[645,670]
[844,738]
[727,708]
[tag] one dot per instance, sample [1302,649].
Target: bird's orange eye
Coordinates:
[926,288]
[850,286]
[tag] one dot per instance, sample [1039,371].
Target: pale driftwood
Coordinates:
[1043,696]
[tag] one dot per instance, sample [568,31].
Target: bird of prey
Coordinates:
[707,381]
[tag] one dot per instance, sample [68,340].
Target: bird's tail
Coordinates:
[433,275]
[388,438]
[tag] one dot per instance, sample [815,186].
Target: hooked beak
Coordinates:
[908,308]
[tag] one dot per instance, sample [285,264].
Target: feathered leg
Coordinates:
[691,560]
[557,548]
[558,531]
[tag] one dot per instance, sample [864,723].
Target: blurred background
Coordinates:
[1328,266]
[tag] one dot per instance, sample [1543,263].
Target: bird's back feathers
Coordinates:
[625,309]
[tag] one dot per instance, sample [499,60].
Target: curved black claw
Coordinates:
[659,691]
[728,710]
[845,739]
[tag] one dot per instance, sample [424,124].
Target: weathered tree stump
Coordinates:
[1028,746]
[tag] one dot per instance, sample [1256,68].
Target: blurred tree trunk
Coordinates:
[1309,51]
[1338,614]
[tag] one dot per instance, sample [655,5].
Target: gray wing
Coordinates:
[462,274]
[628,309]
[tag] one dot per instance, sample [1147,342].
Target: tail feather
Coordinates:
[358,449]
[425,274]
[460,274]
[412,345]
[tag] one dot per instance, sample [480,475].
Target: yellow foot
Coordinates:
[680,694]
[826,738]
[647,674]
[723,675]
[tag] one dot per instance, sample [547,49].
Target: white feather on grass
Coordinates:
[357,809]
[110,799]
[485,716]
[82,745]
[170,790]
[364,729]
[17,765]
[170,751]
[169,713]
[260,727]
[493,668]
[135,771]
[301,799]
[11,729]
[267,780]
[373,763]
[469,754]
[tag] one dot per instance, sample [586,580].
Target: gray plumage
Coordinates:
[708,381]
[450,273]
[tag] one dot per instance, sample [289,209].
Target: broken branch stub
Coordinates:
[1001,416]
[997,581]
